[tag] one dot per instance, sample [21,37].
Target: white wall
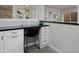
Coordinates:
[64,38]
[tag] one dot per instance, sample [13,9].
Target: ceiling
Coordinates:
[62,6]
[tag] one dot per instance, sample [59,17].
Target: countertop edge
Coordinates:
[61,22]
[16,28]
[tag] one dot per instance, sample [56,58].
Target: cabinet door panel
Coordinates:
[34,12]
[13,44]
[1,42]
[12,32]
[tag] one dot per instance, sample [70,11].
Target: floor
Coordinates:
[42,50]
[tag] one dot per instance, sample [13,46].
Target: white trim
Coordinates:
[54,48]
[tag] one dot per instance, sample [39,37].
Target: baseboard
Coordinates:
[54,48]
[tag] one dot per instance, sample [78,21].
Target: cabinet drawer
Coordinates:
[11,37]
[45,28]
[44,42]
[43,38]
[45,32]
[13,32]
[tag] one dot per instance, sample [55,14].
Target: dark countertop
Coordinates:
[19,27]
[61,22]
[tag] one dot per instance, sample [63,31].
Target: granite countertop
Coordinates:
[18,27]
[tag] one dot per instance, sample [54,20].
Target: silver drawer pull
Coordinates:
[45,28]
[45,41]
[45,35]
[45,31]
[1,37]
[14,36]
[14,32]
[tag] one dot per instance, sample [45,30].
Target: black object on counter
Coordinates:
[40,22]
[19,12]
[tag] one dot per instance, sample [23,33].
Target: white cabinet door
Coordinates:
[34,12]
[14,43]
[41,12]
[1,42]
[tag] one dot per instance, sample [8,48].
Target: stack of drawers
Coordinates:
[44,36]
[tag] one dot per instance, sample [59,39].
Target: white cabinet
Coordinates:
[37,12]
[13,41]
[12,44]
[34,11]
[29,12]
[41,12]
[44,36]
[1,42]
